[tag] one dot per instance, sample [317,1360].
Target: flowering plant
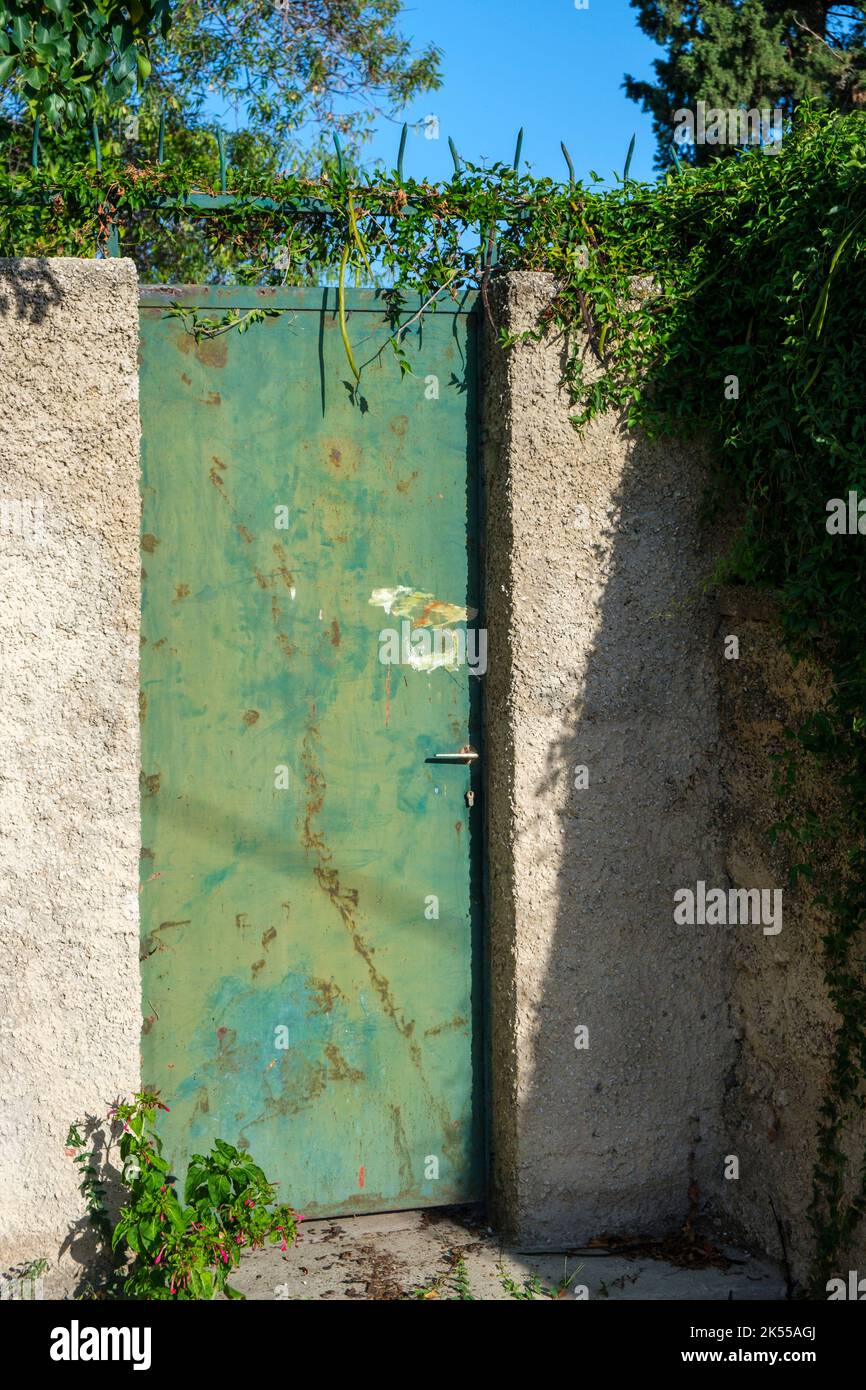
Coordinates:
[182,1250]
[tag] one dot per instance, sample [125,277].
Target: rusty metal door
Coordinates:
[310,896]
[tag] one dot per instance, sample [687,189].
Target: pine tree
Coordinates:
[748,54]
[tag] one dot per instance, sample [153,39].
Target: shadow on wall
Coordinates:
[611,648]
[28,290]
[632,775]
[84,1245]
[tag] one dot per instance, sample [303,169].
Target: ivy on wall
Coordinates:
[748,332]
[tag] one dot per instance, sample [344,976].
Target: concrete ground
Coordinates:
[452,1254]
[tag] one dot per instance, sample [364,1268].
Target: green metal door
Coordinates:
[310,896]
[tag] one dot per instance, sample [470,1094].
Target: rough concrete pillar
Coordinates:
[69,579]
[601,657]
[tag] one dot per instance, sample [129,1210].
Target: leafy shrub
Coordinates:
[180,1250]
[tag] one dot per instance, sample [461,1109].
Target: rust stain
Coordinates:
[149,543]
[345,901]
[340,1069]
[437,606]
[181,592]
[251,717]
[218,482]
[286,647]
[212,352]
[146,853]
[241,921]
[187,380]
[242,531]
[399,425]
[160,643]
[151,944]
[151,784]
[142,706]
[335,633]
[212,398]
[405,483]
[147,1023]
[402,1147]
[256,966]
[361,1176]
[282,568]
[268,936]
[342,454]
[219,462]
[262,580]
[326,993]
[458,1022]
[458,826]
[227,1058]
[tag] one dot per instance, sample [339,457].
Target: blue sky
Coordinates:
[542,64]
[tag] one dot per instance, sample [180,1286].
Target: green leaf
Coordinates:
[20,31]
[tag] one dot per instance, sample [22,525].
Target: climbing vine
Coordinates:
[724,303]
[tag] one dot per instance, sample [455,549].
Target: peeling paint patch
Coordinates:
[423,610]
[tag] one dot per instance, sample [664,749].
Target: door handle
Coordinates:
[467,754]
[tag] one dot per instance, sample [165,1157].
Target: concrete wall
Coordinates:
[69,576]
[784,1021]
[602,654]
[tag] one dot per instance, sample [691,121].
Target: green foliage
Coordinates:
[181,1250]
[290,74]
[748,53]
[56,54]
[292,67]
[454,1285]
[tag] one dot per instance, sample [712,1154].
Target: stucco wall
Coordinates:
[784,1021]
[69,576]
[602,653]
